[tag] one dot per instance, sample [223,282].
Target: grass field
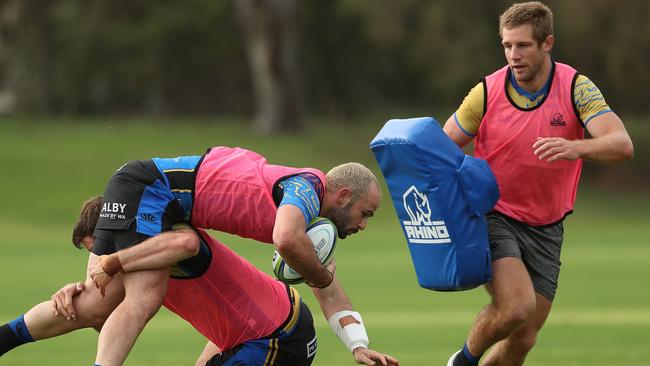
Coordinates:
[601,315]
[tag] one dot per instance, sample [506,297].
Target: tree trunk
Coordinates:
[271,43]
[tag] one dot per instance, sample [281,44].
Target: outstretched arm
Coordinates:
[347,324]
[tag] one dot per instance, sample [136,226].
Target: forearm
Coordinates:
[332,299]
[302,258]
[160,251]
[607,148]
[344,322]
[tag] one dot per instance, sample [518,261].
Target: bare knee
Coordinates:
[522,341]
[517,312]
[527,342]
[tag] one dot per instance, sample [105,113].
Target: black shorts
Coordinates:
[136,205]
[292,344]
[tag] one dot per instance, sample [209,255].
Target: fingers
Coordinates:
[364,359]
[101,280]
[56,305]
[61,301]
[368,357]
[382,358]
[392,360]
[67,303]
[555,148]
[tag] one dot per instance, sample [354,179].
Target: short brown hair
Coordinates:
[538,15]
[88,217]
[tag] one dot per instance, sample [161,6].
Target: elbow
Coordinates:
[628,152]
[285,245]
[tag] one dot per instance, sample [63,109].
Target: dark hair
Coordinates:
[88,217]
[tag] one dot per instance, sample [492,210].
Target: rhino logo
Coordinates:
[421,230]
[417,206]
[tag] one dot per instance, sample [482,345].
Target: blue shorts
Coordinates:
[292,344]
[137,204]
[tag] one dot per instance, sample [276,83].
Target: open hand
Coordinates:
[366,356]
[556,148]
[62,300]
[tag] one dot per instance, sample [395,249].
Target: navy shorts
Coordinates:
[136,205]
[292,344]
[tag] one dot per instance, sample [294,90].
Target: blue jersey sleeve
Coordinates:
[301,193]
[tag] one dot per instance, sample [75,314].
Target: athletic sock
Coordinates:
[14,334]
[466,358]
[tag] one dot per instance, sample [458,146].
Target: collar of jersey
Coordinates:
[530,96]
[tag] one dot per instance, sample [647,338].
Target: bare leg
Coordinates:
[144,293]
[513,303]
[512,351]
[91,310]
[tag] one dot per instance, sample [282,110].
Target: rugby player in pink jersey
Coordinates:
[527,120]
[232,190]
[252,317]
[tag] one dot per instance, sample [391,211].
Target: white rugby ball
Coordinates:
[323,235]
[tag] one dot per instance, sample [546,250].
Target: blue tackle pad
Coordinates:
[441,196]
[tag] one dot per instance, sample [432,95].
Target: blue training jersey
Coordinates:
[179,174]
[302,191]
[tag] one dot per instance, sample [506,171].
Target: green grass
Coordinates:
[601,315]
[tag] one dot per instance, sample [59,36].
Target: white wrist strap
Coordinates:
[352,335]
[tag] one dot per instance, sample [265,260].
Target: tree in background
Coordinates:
[240,57]
[271,42]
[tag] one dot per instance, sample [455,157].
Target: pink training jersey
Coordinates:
[233,302]
[533,191]
[233,192]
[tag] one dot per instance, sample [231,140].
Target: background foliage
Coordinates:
[356,57]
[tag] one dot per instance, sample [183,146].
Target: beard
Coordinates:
[340,217]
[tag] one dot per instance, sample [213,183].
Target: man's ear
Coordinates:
[343,196]
[88,242]
[548,43]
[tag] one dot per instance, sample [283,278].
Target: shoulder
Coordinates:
[588,99]
[472,109]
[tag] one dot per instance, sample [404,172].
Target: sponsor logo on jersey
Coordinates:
[421,229]
[311,347]
[113,210]
[558,120]
[148,217]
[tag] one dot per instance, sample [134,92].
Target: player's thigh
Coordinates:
[510,282]
[92,305]
[147,288]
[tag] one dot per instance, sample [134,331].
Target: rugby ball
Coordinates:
[323,235]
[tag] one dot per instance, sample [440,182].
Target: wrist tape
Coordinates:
[352,335]
[110,264]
